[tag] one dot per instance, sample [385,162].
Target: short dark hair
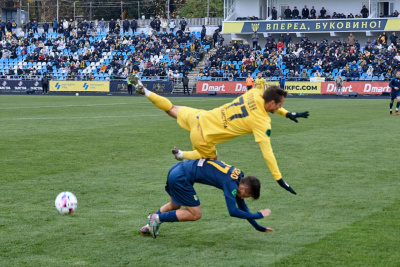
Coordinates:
[253,184]
[275,93]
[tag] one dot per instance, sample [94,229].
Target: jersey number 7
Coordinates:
[242,108]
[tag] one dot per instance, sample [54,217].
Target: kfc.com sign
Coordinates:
[221,87]
[362,88]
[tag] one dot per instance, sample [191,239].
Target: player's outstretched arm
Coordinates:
[294,115]
[242,205]
[282,183]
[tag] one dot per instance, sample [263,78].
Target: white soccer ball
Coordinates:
[77,94]
[66,203]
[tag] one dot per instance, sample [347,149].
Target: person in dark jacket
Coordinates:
[134,25]
[288,13]
[45,84]
[125,25]
[46,27]
[111,25]
[185,83]
[203,33]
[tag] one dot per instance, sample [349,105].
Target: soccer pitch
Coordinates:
[114,154]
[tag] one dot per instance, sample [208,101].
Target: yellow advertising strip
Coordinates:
[303,87]
[232,27]
[80,86]
[392,25]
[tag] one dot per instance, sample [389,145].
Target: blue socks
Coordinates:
[169,216]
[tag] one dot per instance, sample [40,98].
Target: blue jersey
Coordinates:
[215,173]
[395,82]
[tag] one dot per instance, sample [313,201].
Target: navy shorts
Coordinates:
[180,189]
[394,94]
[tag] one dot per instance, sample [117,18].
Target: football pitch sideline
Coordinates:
[114,154]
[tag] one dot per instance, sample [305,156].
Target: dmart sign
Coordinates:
[317,25]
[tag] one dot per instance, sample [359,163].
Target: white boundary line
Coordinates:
[74,118]
[93,105]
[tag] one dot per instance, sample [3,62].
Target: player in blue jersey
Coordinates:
[395,85]
[229,179]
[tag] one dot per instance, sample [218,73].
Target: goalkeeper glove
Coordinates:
[294,115]
[282,183]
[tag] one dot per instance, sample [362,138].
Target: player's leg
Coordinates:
[391,106]
[189,214]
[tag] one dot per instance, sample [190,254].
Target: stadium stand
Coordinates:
[87,55]
[376,60]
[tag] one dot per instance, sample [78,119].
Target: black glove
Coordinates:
[282,183]
[294,115]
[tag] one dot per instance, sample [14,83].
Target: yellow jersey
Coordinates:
[246,114]
[260,84]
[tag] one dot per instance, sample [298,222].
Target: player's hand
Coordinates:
[265,212]
[294,115]
[268,230]
[282,183]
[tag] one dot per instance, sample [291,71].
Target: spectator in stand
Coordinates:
[351,39]
[322,12]
[8,26]
[125,25]
[395,14]
[254,39]
[203,33]
[305,12]
[172,25]
[164,25]
[304,75]
[183,24]
[364,11]
[295,13]
[157,24]
[313,12]
[134,25]
[3,26]
[55,25]
[274,13]
[287,39]
[14,27]
[280,45]
[46,27]
[350,16]
[393,38]
[288,13]
[102,25]
[111,26]
[215,37]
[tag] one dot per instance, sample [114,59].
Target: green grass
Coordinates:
[113,153]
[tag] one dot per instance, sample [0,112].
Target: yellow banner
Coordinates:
[80,86]
[303,87]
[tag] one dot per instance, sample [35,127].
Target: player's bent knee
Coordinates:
[196,212]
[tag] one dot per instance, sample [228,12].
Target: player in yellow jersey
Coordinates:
[260,82]
[246,114]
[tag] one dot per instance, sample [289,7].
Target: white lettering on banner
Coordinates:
[368,88]
[332,88]
[206,87]
[240,88]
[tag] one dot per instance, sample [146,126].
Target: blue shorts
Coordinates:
[180,189]
[394,94]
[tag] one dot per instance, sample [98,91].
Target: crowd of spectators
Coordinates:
[376,60]
[312,13]
[83,53]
